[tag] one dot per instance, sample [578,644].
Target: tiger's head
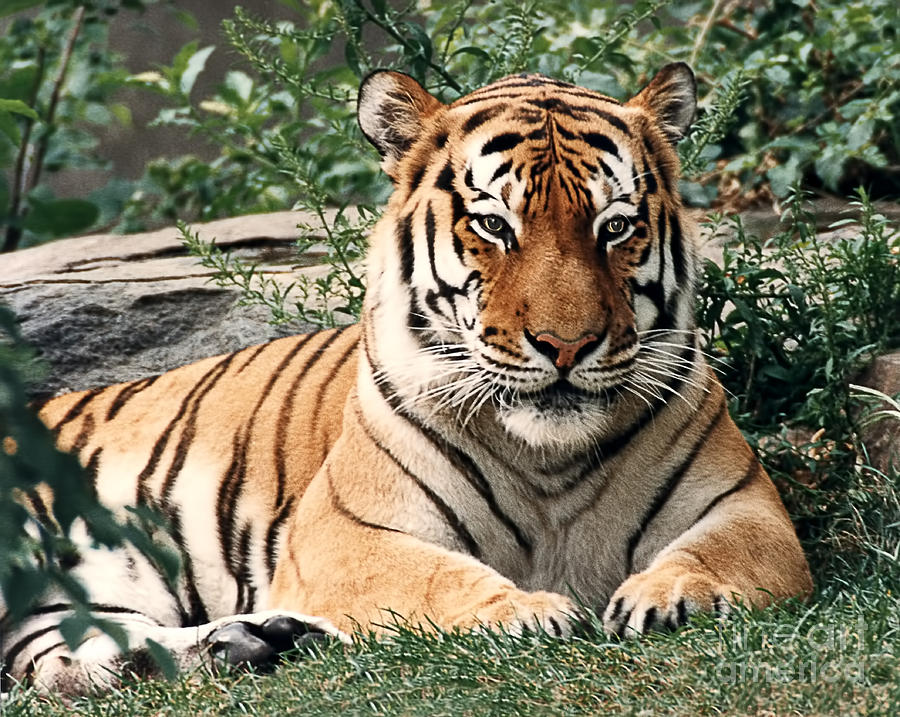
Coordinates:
[534,259]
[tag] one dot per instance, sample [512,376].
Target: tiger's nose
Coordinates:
[564,354]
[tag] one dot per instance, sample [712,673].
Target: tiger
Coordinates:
[521,429]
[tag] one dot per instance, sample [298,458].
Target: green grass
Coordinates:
[839,656]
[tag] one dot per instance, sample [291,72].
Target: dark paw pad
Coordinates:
[235,644]
[285,633]
[244,643]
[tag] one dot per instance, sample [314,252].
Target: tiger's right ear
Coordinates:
[391,110]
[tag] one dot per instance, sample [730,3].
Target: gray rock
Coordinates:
[104,309]
[882,438]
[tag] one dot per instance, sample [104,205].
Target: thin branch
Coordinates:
[14,228]
[386,25]
[54,98]
[701,38]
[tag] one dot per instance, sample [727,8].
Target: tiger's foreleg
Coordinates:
[743,550]
[370,576]
[351,554]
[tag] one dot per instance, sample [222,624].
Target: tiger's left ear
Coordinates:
[671,97]
[391,111]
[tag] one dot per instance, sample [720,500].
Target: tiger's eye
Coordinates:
[493,224]
[616,225]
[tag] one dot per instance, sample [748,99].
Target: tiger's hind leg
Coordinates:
[125,588]
[37,653]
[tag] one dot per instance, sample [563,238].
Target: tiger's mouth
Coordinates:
[564,396]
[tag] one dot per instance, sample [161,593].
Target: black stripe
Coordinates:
[91,469]
[480,117]
[11,655]
[668,488]
[186,439]
[288,403]
[444,180]
[650,180]
[94,607]
[35,659]
[317,401]
[601,142]
[600,114]
[565,187]
[76,410]
[272,535]
[458,207]
[430,235]
[254,353]
[227,495]
[40,509]
[572,167]
[246,591]
[416,178]
[501,170]
[661,235]
[196,612]
[748,476]
[676,241]
[123,396]
[405,239]
[233,480]
[502,143]
[350,515]
[143,496]
[460,461]
[453,520]
[84,435]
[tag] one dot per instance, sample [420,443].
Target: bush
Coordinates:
[57,86]
[790,319]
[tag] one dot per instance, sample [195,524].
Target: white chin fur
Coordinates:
[561,429]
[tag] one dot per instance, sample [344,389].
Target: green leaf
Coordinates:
[73,628]
[163,658]
[352,58]
[9,7]
[60,217]
[18,107]
[9,127]
[194,67]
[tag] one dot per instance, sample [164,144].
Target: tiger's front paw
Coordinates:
[518,611]
[257,639]
[664,599]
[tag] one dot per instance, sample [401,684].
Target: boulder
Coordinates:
[108,308]
[882,437]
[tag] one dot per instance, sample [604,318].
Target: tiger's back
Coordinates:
[222,449]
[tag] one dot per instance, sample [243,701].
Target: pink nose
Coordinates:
[563,353]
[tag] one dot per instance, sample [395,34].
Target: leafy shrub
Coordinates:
[57,85]
[790,319]
[818,84]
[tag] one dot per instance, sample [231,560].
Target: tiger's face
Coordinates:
[533,260]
